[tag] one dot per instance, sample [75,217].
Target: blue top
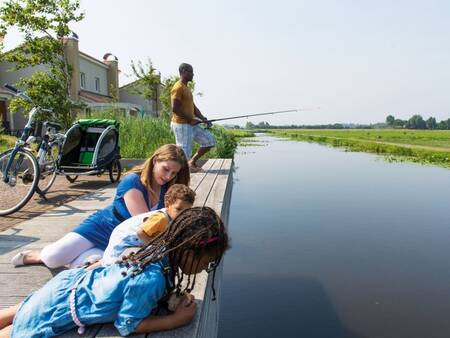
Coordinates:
[98,227]
[103,296]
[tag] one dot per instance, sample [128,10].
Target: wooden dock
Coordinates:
[213,188]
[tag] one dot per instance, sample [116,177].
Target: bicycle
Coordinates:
[19,169]
[49,152]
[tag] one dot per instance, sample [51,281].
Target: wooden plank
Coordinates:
[209,318]
[219,190]
[17,283]
[197,178]
[218,199]
[220,193]
[207,183]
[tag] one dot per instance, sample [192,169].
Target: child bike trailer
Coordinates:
[91,147]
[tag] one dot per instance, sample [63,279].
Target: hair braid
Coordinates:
[199,229]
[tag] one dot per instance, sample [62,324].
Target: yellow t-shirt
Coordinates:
[182,93]
[155,224]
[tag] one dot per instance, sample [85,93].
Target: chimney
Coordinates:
[113,74]
[72,54]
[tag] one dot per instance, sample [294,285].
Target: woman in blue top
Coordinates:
[127,293]
[140,191]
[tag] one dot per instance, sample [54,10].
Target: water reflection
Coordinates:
[328,243]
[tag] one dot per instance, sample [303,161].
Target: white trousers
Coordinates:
[72,250]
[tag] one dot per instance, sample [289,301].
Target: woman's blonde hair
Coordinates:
[167,152]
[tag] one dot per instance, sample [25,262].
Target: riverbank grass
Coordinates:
[428,147]
[246,138]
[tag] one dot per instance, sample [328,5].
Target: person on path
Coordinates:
[140,191]
[186,118]
[127,292]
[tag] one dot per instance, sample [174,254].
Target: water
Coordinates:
[333,244]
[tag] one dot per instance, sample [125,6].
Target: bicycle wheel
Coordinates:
[47,170]
[22,179]
[115,170]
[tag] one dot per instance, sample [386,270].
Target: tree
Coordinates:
[148,81]
[263,124]
[44,24]
[164,96]
[431,123]
[441,125]
[249,125]
[390,120]
[416,122]
[398,123]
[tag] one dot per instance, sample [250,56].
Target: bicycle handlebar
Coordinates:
[18,93]
[11,88]
[22,95]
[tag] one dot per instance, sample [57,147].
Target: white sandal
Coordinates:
[17,260]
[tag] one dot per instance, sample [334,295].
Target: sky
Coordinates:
[357,60]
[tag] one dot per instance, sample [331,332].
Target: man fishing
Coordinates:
[186,118]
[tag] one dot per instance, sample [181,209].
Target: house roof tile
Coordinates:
[95,98]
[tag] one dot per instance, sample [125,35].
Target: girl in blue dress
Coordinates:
[127,292]
[142,190]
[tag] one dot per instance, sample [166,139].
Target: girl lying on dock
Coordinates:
[127,292]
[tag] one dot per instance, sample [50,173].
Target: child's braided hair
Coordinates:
[196,231]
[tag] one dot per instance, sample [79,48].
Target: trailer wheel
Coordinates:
[115,170]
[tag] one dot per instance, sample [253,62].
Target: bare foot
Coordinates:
[193,168]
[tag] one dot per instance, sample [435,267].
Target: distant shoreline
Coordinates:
[426,147]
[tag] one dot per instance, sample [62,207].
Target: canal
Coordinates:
[335,244]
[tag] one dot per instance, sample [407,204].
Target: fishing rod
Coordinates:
[260,114]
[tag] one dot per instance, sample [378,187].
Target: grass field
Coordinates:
[240,133]
[424,146]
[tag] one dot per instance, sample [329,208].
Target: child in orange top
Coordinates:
[139,230]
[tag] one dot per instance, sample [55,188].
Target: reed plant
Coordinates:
[141,136]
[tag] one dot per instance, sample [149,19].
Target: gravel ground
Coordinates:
[60,193]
